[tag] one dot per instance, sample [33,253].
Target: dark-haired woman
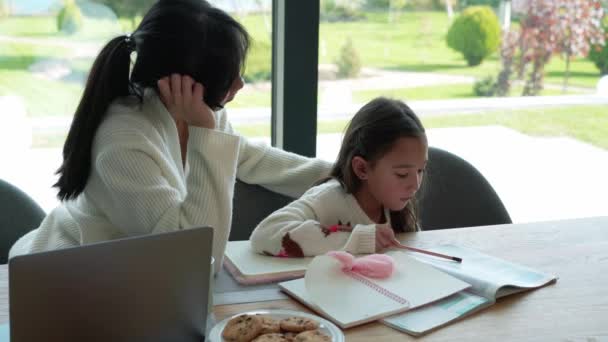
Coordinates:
[151,150]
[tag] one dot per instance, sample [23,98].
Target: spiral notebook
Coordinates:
[350,299]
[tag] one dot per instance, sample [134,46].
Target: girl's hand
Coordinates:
[385,236]
[183,98]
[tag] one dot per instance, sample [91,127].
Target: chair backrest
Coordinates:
[19,214]
[252,203]
[455,195]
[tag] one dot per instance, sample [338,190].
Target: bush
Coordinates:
[259,62]
[69,19]
[432,5]
[330,11]
[598,54]
[475,34]
[469,3]
[485,87]
[349,64]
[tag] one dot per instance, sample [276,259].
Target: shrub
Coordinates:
[348,63]
[69,19]
[475,34]
[433,5]
[485,87]
[598,54]
[469,3]
[259,62]
[331,12]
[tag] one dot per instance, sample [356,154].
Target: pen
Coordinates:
[402,246]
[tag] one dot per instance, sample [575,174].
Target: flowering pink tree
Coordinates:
[509,44]
[538,40]
[580,27]
[568,27]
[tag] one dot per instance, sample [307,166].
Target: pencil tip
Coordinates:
[457,259]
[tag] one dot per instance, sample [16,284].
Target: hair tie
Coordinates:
[130,42]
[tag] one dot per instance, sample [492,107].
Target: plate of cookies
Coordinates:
[275,326]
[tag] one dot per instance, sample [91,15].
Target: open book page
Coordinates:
[249,267]
[437,314]
[350,300]
[490,278]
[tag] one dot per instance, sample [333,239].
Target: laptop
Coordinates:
[147,288]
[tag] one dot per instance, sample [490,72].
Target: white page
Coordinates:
[350,301]
[487,274]
[250,263]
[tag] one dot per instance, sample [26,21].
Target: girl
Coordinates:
[152,150]
[369,196]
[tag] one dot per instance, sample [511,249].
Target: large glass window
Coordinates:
[526,112]
[46,50]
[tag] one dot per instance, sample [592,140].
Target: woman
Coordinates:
[152,151]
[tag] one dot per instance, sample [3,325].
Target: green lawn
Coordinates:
[438,92]
[585,123]
[414,42]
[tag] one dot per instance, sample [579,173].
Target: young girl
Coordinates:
[369,196]
[152,150]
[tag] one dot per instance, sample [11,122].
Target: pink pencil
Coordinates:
[439,255]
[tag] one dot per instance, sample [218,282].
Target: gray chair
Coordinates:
[454,195]
[251,204]
[19,214]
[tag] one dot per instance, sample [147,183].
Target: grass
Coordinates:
[413,42]
[452,91]
[584,123]
[41,96]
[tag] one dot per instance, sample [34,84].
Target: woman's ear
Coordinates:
[360,167]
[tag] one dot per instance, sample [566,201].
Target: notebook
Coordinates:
[351,299]
[490,277]
[249,268]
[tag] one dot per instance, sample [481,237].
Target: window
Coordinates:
[527,147]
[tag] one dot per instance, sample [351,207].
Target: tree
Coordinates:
[556,26]
[128,9]
[538,39]
[507,54]
[580,25]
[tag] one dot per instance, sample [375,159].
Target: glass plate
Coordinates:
[215,335]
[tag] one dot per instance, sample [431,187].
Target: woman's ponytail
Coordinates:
[108,80]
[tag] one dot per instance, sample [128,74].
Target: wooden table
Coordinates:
[573,309]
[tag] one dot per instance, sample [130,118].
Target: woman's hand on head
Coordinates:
[183,98]
[385,236]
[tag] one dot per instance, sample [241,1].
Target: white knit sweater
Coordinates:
[301,228]
[138,186]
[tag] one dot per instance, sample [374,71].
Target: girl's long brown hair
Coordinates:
[371,134]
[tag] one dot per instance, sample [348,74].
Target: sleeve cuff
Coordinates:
[362,240]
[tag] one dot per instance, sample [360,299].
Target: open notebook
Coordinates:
[490,277]
[352,299]
[248,267]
